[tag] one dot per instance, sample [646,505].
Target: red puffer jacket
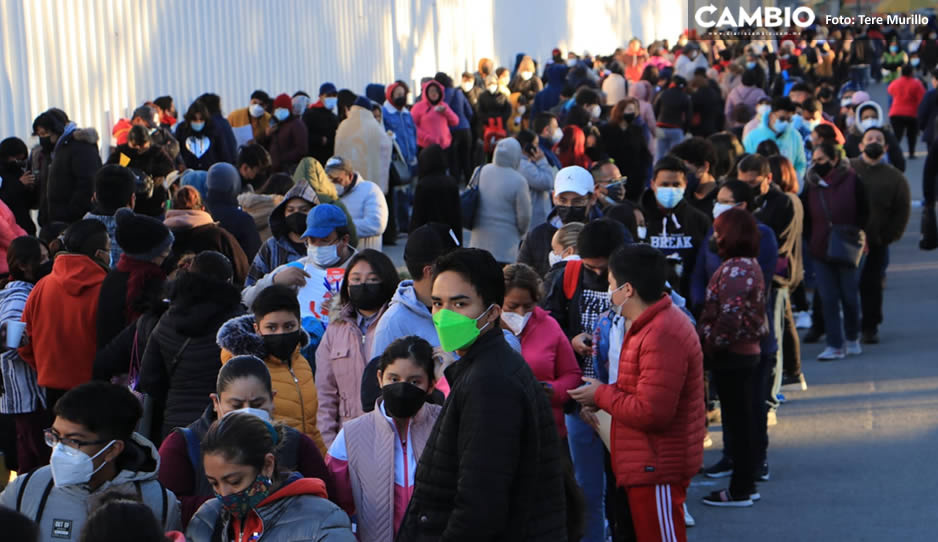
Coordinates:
[657,403]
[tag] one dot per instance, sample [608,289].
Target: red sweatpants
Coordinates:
[658,512]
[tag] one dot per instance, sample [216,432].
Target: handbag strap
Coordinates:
[175,361]
[827,212]
[474,181]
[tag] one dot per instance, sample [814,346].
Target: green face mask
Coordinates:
[455,330]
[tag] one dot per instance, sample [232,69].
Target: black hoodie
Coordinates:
[680,232]
[437,196]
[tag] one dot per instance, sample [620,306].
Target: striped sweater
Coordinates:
[22,393]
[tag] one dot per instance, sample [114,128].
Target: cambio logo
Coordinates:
[766,18]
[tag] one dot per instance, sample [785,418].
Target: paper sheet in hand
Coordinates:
[321,286]
[243,134]
[605,427]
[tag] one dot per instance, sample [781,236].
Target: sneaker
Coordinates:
[771,418]
[688,519]
[870,337]
[721,469]
[794,382]
[812,336]
[854,348]
[708,442]
[762,473]
[755,495]
[803,320]
[723,498]
[830,354]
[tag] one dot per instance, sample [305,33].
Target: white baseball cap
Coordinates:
[573,179]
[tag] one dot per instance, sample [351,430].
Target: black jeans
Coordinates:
[871,288]
[737,389]
[460,156]
[907,125]
[791,343]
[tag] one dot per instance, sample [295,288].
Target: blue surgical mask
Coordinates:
[893,49]
[330,102]
[812,124]
[323,256]
[780,126]
[750,65]
[197,126]
[669,196]
[914,61]
[281,113]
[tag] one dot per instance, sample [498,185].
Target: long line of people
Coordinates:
[645,228]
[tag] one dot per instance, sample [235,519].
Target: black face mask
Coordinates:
[399,102]
[403,399]
[283,345]
[874,151]
[366,296]
[597,282]
[568,213]
[296,223]
[629,117]
[823,169]
[46,143]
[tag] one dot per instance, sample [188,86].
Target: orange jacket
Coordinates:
[657,403]
[61,317]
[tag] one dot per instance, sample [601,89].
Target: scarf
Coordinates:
[140,273]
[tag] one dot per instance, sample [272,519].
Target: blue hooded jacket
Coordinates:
[457,101]
[789,142]
[401,124]
[556,75]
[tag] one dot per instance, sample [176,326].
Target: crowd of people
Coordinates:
[603,255]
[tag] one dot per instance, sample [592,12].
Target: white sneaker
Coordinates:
[831,353]
[853,348]
[708,442]
[803,320]
[688,519]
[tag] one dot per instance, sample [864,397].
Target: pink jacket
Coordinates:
[550,356]
[432,125]
[9,230]
[340,361]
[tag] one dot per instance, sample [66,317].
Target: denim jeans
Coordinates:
[588,451]
[839,287]
[667,138]
[860,75]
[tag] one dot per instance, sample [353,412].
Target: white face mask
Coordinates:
[642,232]
[71,466]
[259,412]
[256,110]
[868,123]
[763,109]
[557,135]
[617,309]
[527,75]
[596,111]
[571,62]
[467,86]
[323,256]
[340,190]
[554,258]
[515,321]
[720,208]
[493,88]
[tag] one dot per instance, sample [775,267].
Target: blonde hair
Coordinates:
[568,233]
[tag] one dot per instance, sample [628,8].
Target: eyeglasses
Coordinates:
[53,438]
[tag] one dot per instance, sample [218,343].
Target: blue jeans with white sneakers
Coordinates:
[839,286]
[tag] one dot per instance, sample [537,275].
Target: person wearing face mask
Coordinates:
[23,400]
[494,108]
[526,81]
[625,139]
[433,117]
[699,156]
[346,346]
[813,116]
[18,186]
[543,344]
[273,333]
[147,117]
[365,143]
[200,145]
[255,115]
[563,249]
[744,98]
[71,292]
[388,440]
[834,195]
[285,243]
[674,225]
[893,60]
[656,400]
[322,122]
[691,59]
[907,93]
[398,120]
[673,113]
[255,496]
[363,199]
[288,139]
[777,126]
[887,190]
[493,465]
[556,77]
[549,135]
[762,110]
[504,205]
[94,450]
[174,367]
[141,153]
[867,115]
[243,385]
[574,201]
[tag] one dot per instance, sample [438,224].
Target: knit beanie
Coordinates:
[141,237]
[283,101]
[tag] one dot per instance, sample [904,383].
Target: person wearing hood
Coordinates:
[614,87]
[321,123]
[70,292]
[539,174]
[195,231]
[460,151]
[23,399]
[18,188]
[574,201]
[9,230]
[399,121]
[642,91]
[433,117]
[223,185]
[675,227]
[869,114]
[201,142]
[907,93]
[363,199]
[147,117]
[255,115]
[344,352]
[504,210]
[777,127]
[260,204]
[436,197]
[364,144]
[556,75]
[287,139]
[75,160]
[742,101]
[310,172]
[94,450]
[135,283]
[273,333]
[113,190]
[834,195]
[255,497]
[178,368]
[887,190]
[285,244]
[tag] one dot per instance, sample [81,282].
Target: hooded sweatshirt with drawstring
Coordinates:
[681,231]
[790,143]
[854,135]
[432,125]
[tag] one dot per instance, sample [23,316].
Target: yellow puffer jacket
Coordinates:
[295,402]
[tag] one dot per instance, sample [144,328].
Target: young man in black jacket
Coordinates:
[493,468]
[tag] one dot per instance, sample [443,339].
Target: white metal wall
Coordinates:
[98,59]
